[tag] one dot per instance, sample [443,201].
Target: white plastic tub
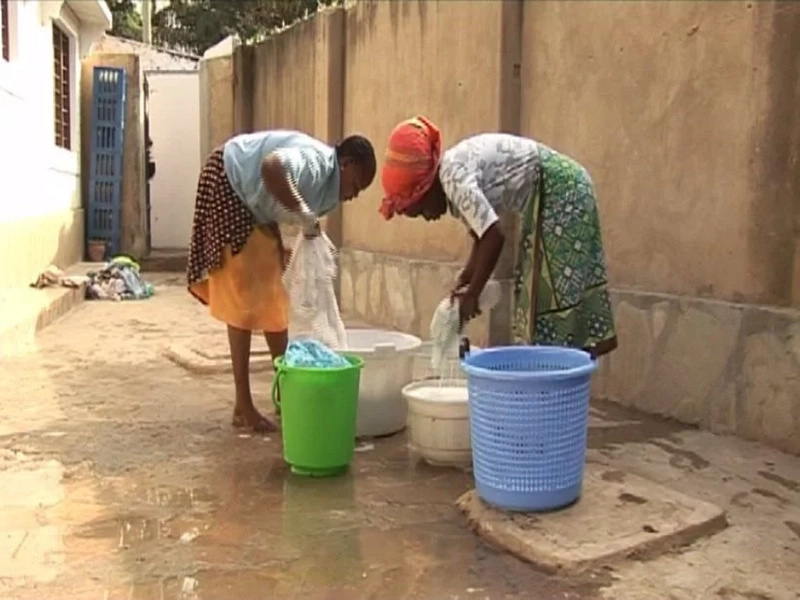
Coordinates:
[438,419]
[388,362]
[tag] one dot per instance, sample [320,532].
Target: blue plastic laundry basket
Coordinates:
[529,413]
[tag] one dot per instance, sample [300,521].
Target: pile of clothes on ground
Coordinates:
[119,279]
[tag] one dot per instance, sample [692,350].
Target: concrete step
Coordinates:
[165,260]
[619,515]
[24,311]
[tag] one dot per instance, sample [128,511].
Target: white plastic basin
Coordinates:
[438,419]
[388,362]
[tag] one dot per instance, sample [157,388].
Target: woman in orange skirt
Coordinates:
[236,258]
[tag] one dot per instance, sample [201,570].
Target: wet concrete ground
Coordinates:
[222,518]
[121,478]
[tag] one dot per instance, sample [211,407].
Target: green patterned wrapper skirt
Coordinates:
[560,280]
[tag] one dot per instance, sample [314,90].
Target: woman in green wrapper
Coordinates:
[560,282]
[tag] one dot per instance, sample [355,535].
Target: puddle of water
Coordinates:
[680,457]
[426,561]
[206,584]
[178,497]
[256,531]
[793,527]
[128,530]
[316,507]
[789,484]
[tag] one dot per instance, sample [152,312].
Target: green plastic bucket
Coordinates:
[318,415]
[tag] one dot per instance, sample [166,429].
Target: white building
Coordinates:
[41,217]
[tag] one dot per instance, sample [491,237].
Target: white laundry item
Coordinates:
[445,326]
[309,279]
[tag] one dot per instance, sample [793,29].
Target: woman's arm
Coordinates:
[278,182]
[469,269]
[488,252]
[278,179]
[469,200]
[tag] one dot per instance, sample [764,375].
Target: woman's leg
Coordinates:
[244,411]
[277,343]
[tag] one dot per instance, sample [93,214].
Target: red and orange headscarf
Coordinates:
[411,164]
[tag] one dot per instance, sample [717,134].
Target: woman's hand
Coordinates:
[310,224]
[462,281]
[468,308]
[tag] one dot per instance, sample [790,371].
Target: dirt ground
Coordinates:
[120,477]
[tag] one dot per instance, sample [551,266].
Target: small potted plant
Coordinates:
[97,250]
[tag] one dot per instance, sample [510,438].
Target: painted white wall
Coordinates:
[41,218]
[174,111]
[225,47]
[39,177]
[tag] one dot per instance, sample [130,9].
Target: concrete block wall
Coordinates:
[673,108]
[730,368]
[217,79]
[398,292]
[455,63]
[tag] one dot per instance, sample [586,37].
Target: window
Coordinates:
[62,82]
[5,43]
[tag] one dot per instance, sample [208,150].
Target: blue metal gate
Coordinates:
[105,179]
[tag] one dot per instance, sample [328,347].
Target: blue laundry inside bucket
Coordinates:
[310,353]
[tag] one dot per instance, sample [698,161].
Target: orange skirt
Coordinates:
[235,266]
[247,292]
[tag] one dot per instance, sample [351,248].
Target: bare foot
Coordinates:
[250,418]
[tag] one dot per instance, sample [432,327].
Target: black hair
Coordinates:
[360,150]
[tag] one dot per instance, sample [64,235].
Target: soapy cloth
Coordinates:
[446,325]
[311,353]
[309,282]
[445,330]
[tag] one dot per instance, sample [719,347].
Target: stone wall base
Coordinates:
[728,368]
[399,293]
